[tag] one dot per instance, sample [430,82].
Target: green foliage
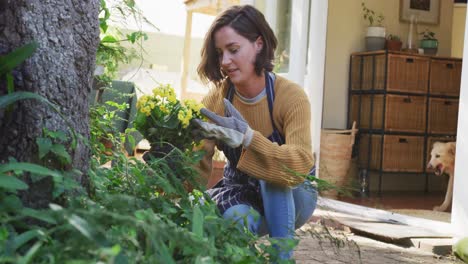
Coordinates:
[139,213]
[161,117]
[393,37]
[371,17]
[135,212]
[11,60]
[460,249]
[9,99]
[104,136]
[111,53]
[428,34]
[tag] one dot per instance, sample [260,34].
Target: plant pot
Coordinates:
[375,32]
[216,173]
[393,44]
[430,46]
[375,43]
[108,145]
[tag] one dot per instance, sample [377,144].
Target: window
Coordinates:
[278,15]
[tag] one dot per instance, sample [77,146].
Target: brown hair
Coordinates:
[248,22]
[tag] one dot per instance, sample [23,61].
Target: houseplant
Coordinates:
[165,121]
[429,42]
[375,35]
[393,42]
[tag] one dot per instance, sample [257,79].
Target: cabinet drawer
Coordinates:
[402,113]
[400,153]
[364,112]
[400,73]
[445,77]
[368,72]
[443,116]
[406,73]
[405,113]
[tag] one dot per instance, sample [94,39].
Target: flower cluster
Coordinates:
[162,118]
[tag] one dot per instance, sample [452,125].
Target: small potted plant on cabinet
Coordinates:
[375,35]
[429,43]
[393,42]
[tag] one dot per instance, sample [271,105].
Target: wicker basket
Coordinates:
[335,156]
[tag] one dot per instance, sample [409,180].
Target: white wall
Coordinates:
[460,195]
[458,29]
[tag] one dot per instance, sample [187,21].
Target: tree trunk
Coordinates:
[61,69]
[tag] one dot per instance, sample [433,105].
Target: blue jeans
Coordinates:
[286,209]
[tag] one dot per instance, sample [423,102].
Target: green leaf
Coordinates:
[11,203]
[10,85]
[44,145]
[130,3]
[6,100]
[197,221]
[39,214]
[12,183]
[16,57]
[461,249]
[22,239]
[81,225]
[29,167]
[170,121]
[60,151]
[103,26]
[109,39]
[57,135]
[30,254]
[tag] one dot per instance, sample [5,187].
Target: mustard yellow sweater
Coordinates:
[264,159]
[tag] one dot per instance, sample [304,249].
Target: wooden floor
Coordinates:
[399,200]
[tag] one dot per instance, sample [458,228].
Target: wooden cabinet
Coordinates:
[401,101]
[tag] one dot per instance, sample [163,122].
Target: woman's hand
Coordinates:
[233,130]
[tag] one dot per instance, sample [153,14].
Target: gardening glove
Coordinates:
[234,121]
[230,137]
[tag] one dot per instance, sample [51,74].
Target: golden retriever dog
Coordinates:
[443,162]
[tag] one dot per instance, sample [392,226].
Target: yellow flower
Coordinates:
[160,106]
[146,110]
[142,101]
[193,105]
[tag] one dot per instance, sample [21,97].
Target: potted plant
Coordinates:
[165,122]
[393,42]
[375,35]
[429,42]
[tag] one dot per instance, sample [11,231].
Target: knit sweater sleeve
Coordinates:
[271,162]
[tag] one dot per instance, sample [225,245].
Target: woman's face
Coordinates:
[236,54]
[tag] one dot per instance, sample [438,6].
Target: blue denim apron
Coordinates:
[236,187]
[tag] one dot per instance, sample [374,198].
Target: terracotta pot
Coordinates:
[107,145]
[216,173]
[393,45]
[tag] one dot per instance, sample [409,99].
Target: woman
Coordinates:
[261,122]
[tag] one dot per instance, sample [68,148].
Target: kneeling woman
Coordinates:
[261,121]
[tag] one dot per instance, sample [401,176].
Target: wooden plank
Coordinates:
[383,230]
[383,216]
[440,246]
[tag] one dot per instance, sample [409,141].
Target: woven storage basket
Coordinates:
[335,156]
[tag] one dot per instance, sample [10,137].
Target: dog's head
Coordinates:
[442,158]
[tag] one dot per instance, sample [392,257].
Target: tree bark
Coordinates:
[60,70]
